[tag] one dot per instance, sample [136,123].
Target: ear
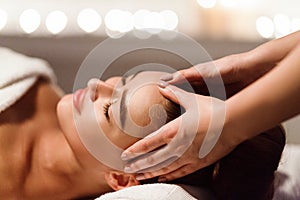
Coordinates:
[119,180]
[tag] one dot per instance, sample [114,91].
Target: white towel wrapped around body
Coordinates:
[156,191]
[17,74]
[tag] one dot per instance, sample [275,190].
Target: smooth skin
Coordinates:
[41,154]
[264,85]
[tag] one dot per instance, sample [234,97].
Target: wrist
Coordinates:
[234,132]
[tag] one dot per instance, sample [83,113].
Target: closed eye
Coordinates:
[106,109]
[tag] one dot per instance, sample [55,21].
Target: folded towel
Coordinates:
[287,181]
[157,191]
[17,74]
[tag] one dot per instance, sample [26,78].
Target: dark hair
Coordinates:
[173,110]
[247,172]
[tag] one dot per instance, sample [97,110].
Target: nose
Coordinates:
[100,89]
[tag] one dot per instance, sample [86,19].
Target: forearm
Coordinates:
[267,102]
[272,52]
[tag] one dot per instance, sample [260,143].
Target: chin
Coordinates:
[65,113]
[66,120]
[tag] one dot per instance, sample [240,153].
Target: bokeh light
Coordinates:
[89,20]
[119,20]
[228,3]
[265,27]
[3,18]
[170,19]
[30,20]
[282,25]
[207,3]
[139,18]
[56,21]
[295,24]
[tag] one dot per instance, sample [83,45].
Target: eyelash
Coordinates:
[107,105]
[106,108]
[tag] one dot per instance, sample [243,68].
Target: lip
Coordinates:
[78,99]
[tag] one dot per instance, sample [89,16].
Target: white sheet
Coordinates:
[157,191]
[288,174]
[287,183]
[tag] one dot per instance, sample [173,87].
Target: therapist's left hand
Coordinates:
[170,162]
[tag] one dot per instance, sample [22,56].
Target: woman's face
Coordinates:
[140,97]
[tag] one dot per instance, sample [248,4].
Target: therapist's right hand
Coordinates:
[237,72]
[188,143]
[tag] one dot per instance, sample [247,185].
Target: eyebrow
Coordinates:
[124,78]
[123,110]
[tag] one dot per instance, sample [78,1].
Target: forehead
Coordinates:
[143,77]
[141,101]
[127,87]
[133,107]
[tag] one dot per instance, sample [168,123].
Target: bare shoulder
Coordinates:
[18,132]
[40,94]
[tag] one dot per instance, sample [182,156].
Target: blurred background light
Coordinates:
[207,3]
[113,34]
[118,20]
[225,19]
[30,20]
[228,3]
[248,4]
[56,21]
[139,18]
[89,20]
[282,25]
[154,21]
[295,24]
[170,19]
[3,18]
[265,27]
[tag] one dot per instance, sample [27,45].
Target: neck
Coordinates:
[59,164]
[37,160]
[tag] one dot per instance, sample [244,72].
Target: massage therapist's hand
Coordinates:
[237,72]
[181,140]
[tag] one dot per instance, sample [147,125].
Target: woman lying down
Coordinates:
[43,157]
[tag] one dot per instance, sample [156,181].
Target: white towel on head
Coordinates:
[17,74]
[156,191]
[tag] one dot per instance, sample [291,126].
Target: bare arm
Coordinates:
[273,51]
[239,70]
[271,99]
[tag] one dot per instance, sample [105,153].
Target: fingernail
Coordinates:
[162,84]
[124,156]
[140,177]
[128,169]
[166,77]
[162,179]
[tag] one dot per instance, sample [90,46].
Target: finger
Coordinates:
[159,157]
[177,95]
[156,139]
[181,76]
[206,70]
[151,161]
[154,172]
[157,168]
[178,173]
